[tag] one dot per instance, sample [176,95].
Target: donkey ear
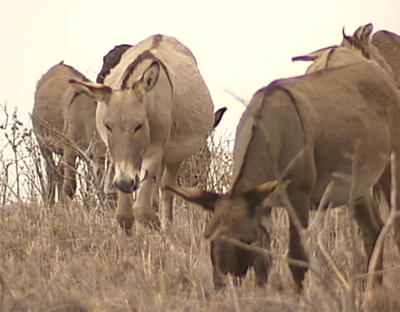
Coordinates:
[203,198]
[148,80]
[218,116]
[260,193]
[95,91]
[345,37]
[312,56]
[364,33]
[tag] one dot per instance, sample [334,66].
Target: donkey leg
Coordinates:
[300,204]
[218,278]
[49,196]
[143,206]
[51,172]
[169,178]
[156,191]
[262,262]
[396,195]
[387,189]
[370,224]
[69,179]
[219,251]
[108,189]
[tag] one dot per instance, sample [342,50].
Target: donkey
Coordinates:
[383,48]
[153,111]
[333,127]
[193,169]
[360,42]
[64,123]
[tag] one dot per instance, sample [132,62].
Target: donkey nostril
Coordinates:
[126,186]
[136,183]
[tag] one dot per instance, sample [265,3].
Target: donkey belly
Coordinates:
[346,179]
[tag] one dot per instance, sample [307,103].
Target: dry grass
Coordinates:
[75,258]
[68,258]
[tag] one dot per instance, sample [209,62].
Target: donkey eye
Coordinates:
[108,128]
[138,127]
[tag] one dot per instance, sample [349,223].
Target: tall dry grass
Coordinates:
[75,258]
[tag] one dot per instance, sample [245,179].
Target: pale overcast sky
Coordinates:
[239,45]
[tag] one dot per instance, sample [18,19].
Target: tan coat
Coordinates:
[388,45]
[64,123]
[334,127]
[154,110]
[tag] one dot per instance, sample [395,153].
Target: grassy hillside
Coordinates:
[75,258]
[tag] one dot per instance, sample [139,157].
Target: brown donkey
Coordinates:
[64,122]
[334,127]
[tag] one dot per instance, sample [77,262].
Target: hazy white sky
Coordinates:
[239,45]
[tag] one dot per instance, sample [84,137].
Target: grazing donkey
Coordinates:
[335,127]
[383,48]
[154,110]
[64,123]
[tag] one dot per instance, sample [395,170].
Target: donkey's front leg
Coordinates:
[143,208]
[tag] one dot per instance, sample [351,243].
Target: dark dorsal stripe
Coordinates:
[357,44]
[329,57]
[296,106]
[145,55]
[132,66]
[76,94]
[156,41]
